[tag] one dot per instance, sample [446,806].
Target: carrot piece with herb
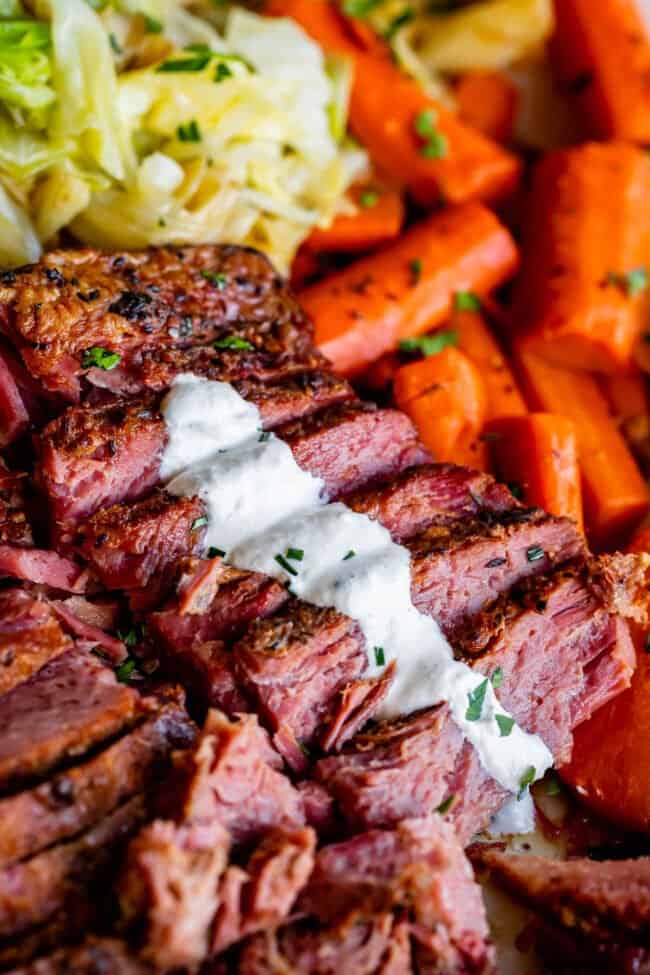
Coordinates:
[539,453]
[407,288]
[488,101]
[615,496]
[580,294]
[445,397]
[409,135]
[377,218]
[601,52]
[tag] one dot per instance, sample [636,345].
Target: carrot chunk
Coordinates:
[487,101]
[378,218]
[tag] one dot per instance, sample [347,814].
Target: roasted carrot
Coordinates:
[615,495]
[580,294]
[477,341]
[601,52]
[408,287]
[445,396]
[378,218]
[408,134]
[539,453]
[487,101]
[629,403]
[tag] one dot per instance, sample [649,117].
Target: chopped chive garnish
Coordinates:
[415,267]
[99,358]
[264,436]
[221,72]
[552,785]
[505,724]
[446,805]
[124,671]
[467,301]
[497,678]
[189,132]
[349,555]
[369,199]
[232,342]
[303,748]
[214,552]
[197,62]
[152,25]
[359,8]
[476,700]
[425,123]
[199,522]
[280,559]
[380,656]
[535,553]
[526,781]
[115,44]
[631,283]
[399,21]
[218,280]
[430,345]
[436,147]
[130,638]
[297,554]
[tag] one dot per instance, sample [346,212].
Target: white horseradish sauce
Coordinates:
[268,515]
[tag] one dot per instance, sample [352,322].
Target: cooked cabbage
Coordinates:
[159,129]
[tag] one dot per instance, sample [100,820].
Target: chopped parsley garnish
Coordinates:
[415,267]
[369,199]
[446,805]
[116,47]
[552,785]
[349,555]
[526,781]
[425,123]
[476,700]
[152,25]
[189,132]
[467,301]
[535,553]
[632,282]
[281,560]
[497,678]
[264,436]
[505,724]
[216,278]
[196,62]
[380,656]
[199,523]
[232,342]
[296,554]
[359,8]
[130,638]
[99,358]
[214,552]
[436,147]
[162,222]
[124,672]
[430,345]
[399,21]
[221,72]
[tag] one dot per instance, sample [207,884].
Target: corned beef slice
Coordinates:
[30,636]
[133,303]
[79,797]
[73,703]
[597,912]
[396,901]
[562,654]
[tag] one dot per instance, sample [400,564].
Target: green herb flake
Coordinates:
[415,267]
[232,342]
[216,278]
[99,358]
[552,785]
[446,805]
[526,781]
[116,47]
[631,283]
[295,554]
[349,555]
[130,638]
[359,8]
[467,301]
[535,553]
[221,72]
[189,132]
[124,672]
[476,700]
[436,147]
[214,552]
[430,345]
[369,199]
[380,656]
[264,436]
[399,21]
[152,25]
[197,62]
[497,678]
[199,523]
[280,559]
[425,123]
[505,724]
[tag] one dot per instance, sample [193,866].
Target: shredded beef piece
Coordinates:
[30,636]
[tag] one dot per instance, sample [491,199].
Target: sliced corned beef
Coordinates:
[351,445]
[169,886]
[403,900]
[97,956]
[88,634]
[73,301]
[71,704]
[43,567]
[90,457]
[561,655]
[34,890]
[597,913]
[233,775]
[431,494]
[15,528]
[129,544]
[79,797]
[295,397]
[30,636]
